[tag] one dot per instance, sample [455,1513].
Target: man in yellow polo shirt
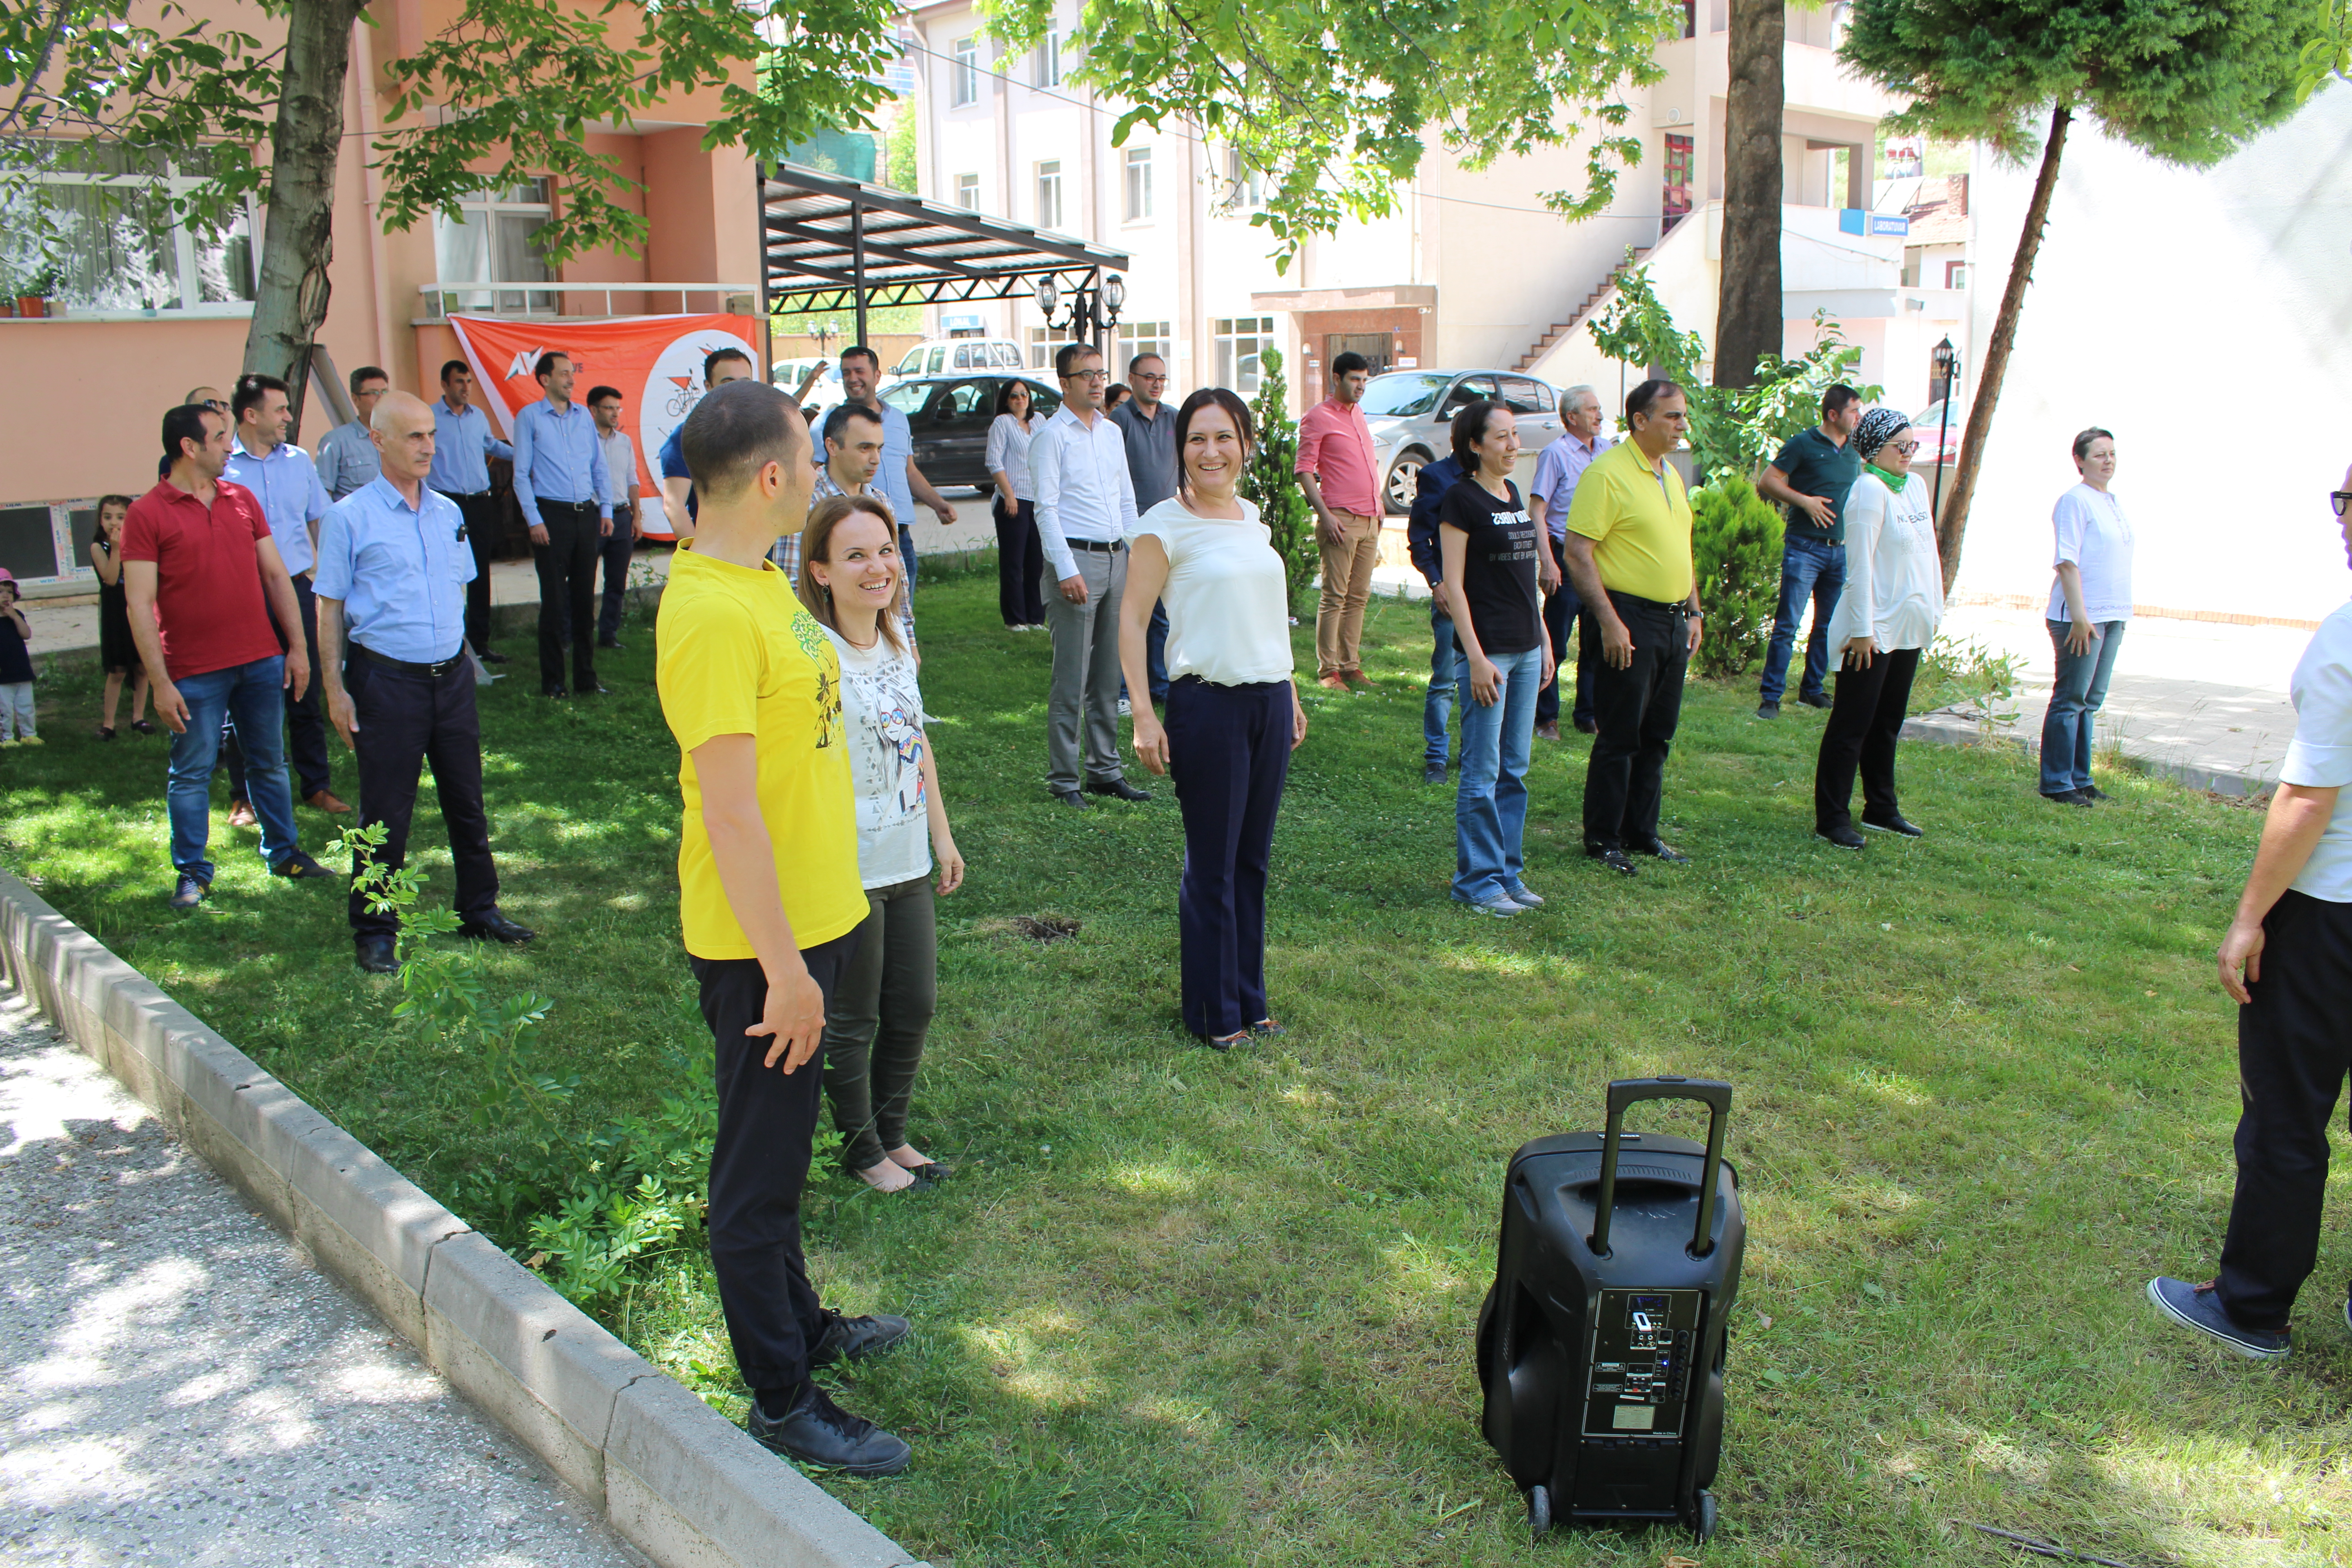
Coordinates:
[1629,554]
[770,901]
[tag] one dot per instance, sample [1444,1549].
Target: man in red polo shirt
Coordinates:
[204,579]
[1335,469]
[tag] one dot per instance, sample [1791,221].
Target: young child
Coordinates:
[16,669]
[116,649]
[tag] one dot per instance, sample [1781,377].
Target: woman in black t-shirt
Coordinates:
[1488,544]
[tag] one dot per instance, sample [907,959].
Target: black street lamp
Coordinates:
[1092,312]
[1946,360]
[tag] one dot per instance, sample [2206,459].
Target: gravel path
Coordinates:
[178,1386]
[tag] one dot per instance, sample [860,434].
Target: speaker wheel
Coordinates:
[1539,1510]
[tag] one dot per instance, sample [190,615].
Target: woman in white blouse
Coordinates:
[2089,604]
[1893,600]
[1020,593]
[1233,714]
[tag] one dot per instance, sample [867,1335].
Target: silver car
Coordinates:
[1411,413]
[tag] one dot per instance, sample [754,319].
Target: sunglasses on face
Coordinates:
[1906,448]
[2339,500]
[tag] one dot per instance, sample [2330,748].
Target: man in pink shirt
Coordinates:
[1335,470]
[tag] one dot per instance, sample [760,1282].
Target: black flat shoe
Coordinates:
[1589,726]
[300,867]
[1072,797]
[615,644]
[142,726]
[931,1172]
[494,927]
[1818,699]
[1433,773]
[1842,837]
[487,656]
[106,731]
[855,1338]
[815,1431]
[1615,859]
[1896,824]
[553,691]
[2070,798]
[1118,787]
[376,956]
[1659,850]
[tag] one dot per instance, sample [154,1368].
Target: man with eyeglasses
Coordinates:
[1086,509]
[1629,554]
[1149,427]
[2287,963]
[1810,480]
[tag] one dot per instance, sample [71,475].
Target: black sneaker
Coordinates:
[2092,792]
[2198,1307]
[1433,773]
[300,867]
[1843,836]
[2069,797]
[855,1338]
[1615,859]
[1814,698]
[1659,850]
[1118,787]
[1898,823]
[189,893]
[1767,710]
[821,1434]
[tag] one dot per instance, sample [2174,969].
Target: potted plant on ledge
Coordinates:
[33,299]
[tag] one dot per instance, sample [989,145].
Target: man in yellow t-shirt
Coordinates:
[1629,554]
[770,901]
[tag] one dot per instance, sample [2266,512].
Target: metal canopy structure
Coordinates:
[831,244]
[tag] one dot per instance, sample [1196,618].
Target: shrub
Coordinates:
[1736,550]
[1274,489]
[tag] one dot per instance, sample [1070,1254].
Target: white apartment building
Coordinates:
[1472,270]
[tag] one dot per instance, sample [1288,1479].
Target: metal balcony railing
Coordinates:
[438,299]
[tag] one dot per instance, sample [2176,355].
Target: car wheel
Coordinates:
[1403,477]
[985,488]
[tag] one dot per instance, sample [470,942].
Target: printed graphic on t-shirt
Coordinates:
[887,742]
[819,647]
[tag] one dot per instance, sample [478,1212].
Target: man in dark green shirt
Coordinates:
[1809,479]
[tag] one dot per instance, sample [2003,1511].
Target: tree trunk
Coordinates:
[1953,524]
[297,238]
[1748,308]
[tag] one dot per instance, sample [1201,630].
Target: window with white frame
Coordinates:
[493,244]
[1244,186]
[1141,338]
[964,76]
[90,225]
[1042,345]
[1046,64]
[1240,341]
[967,191]
[1138,184]
[1049,193]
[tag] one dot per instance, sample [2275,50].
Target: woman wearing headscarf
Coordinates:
[1894,598]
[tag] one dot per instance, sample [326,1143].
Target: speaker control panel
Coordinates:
[1643,1345]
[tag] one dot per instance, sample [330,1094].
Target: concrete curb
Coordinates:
[1946,728]
[675,1478]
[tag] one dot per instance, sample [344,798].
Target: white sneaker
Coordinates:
[1126,709]
[1525,897]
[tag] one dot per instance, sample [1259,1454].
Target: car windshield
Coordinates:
[1404,393]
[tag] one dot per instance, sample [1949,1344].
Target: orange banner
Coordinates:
[654,361]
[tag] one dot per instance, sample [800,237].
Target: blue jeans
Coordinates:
[1809,569]
[254,695]
[2074,697]
[1449,677]
[1490,805]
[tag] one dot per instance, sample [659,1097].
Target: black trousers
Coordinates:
[1637,709]
[616,553]
[406,720]
[758,1166]
[481,514]
[1020,597]
[1562,607]
[2295,1047]
[567,589]
[1229,753]
[1865,721]
[306,724]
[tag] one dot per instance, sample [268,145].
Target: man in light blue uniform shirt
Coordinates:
[393,566]
[283,477]
[566,496]
[463,446]
[1557,469]
[347,452]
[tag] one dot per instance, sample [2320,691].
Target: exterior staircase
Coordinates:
[1583,312]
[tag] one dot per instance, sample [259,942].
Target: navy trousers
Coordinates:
[759,1167]
[406,720]
[1229,753]
[1562,607]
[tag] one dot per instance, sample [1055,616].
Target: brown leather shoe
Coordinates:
[1357,679]
[240,814]
[324,800]
[1548,731]
[1333,683]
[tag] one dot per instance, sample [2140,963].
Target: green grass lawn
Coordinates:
[1184,1308]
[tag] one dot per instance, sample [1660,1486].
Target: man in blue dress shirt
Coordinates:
[566,496]
[293,501]
[393,569]
[347,452]
[463,446]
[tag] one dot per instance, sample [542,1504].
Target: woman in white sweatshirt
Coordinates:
[1893,600]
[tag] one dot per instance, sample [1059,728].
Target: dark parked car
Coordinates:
[950,416]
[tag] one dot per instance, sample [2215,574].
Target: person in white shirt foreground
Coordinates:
[854,581]
[1233,714]
[1892,600]
[2287,963]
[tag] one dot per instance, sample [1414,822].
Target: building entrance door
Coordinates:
[1378,348]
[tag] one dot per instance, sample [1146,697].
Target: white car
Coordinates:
[1410,413]
[941,356]
[789,372]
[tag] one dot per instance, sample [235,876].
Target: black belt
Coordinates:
[469,495]
[570,505]
[1100,546]
[433,671]
[1670,606]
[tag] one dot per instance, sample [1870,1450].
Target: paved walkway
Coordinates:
[2204,701]
[178,1386]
